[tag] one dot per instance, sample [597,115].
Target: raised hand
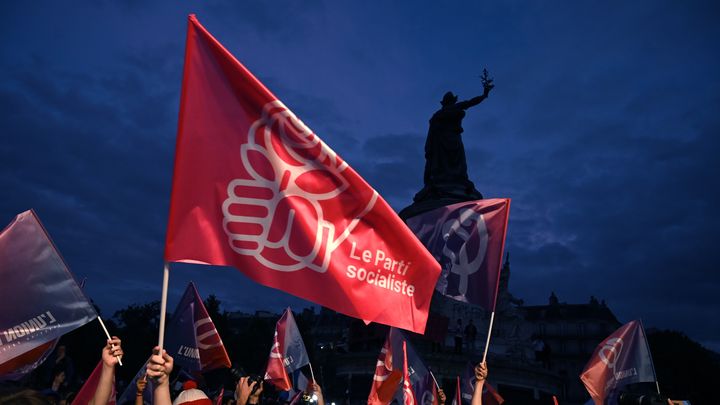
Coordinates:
[112,352]
[481,372]
[159,366]
[487,83]
[244,389]
[441,397]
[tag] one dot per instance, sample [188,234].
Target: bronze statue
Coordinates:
[445,177]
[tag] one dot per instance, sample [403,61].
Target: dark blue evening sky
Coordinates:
[603,129]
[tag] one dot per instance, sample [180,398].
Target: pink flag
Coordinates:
[256,189]
[87,392]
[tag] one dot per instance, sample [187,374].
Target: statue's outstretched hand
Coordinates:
[487,83]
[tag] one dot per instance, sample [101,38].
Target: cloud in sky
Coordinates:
[603,129]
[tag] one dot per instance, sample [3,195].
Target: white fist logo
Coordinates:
[279,215]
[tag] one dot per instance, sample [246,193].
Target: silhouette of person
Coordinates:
[445,161]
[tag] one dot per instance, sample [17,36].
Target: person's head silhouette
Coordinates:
[449,99]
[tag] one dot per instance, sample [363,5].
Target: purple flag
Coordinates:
[622,358]
[467,239]
[36,283]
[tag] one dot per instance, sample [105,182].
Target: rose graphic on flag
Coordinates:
[254,188]
[390,370]
[193,340]
[287,355]
[622,358]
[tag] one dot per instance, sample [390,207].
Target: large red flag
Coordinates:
[87,392]
[256,189]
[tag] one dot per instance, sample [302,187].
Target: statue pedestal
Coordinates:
[440,195]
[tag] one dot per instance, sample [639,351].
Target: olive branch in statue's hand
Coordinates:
[487,82]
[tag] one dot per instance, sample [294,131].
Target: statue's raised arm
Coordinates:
[445,177]
[488,85]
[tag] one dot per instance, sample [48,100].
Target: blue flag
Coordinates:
[46,300]
[182,342]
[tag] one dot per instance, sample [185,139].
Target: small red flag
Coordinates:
[386,379]
[458,392]
[87,392]
[490,396]
[256,189]
[287,354]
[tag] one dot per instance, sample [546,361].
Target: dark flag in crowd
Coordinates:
[87,392]
[458,392]
[427,393]
[622,358]
[38,286]
[466,388]
[467,239]
[287,354]
[192,339]
[256,189]
[389,371]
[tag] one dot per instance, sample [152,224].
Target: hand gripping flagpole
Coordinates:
[109,338]
[163,305]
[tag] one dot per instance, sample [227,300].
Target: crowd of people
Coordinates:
[248,390]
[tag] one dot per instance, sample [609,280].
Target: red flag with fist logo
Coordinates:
[256,189]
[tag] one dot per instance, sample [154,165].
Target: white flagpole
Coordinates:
[108,336]
[433,377]
[312,375]
[487,341]
[163,305]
